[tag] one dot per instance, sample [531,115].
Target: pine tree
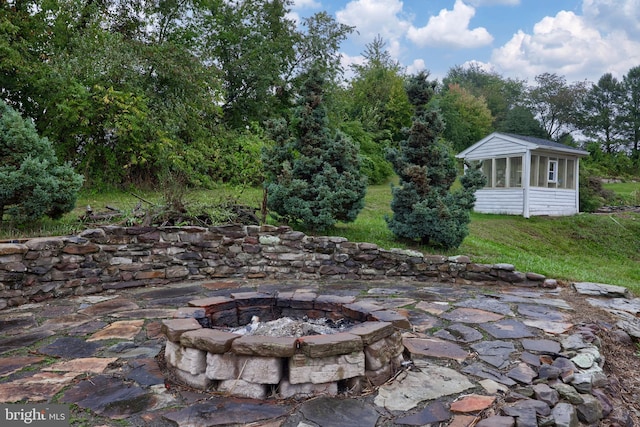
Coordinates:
[424,207]
[32,182]
[313,175]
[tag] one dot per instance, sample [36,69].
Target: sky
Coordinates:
[578,39]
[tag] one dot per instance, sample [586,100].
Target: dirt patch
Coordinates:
[620,352]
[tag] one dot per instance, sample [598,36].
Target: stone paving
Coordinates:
[474,357]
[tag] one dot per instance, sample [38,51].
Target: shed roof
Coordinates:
[530,142]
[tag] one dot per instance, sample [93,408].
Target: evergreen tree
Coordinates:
[32,182]
[423,206]
[313,176]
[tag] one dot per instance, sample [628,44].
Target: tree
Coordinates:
[312,177]
[501,94]
[555,103]
[521,121]
[600,115]
[467,118]
[631,111]
[377,108]
[32,182]
[424,208]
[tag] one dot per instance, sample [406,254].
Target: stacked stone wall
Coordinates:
[120,257]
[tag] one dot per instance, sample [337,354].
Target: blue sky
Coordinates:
[578,39]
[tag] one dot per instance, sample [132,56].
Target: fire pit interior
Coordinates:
[212,346]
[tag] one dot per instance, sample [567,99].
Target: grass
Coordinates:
[585,247]
[627,192]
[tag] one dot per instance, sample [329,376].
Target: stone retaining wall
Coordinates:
[120,257]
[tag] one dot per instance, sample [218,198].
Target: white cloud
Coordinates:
[416,66]
[450,28]
[569,45]
[375,17]
[613,15]
[306,4]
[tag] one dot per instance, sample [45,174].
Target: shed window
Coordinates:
[552,172]
[503,172]
[552,175]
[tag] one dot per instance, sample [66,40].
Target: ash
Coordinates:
[288,327]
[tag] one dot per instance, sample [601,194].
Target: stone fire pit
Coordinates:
[202,353]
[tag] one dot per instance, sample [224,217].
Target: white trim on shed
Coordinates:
[526,175]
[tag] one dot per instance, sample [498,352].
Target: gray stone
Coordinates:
[590,411]
[238,387]
[565,415]
[70,347]
[488,304]
[459,333]
[508,329]
[546,394]
[599,289]
[328,412]
[411,388]
[254,369]
[497,421]
[568,393]
[583,360]
[434,347]
[226,412]
[522,373]
[582,382]
[541,345]
[110,397]
[482,371]
[539,407]
[496,353]
[548,372]
[288,390]
[435,412]
[304,369]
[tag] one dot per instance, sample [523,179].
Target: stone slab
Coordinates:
[600,289]
[122,329]
[9,365]
[305,369]
[210,340]
[508,329]
[254,345]
[226,412]
[430,383]
[92,365]
[471,315]
[109,396]
[435,347]
[370,332]
[39,387]
[254,369]
[330,345]
[174,328]
[70,347]
[328,412]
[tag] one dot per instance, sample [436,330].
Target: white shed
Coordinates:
[526,176]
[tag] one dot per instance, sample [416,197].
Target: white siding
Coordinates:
[495,147]
[500,201]
[552,201]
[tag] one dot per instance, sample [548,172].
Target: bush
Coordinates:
[313,176]
[424,207]
[32,182]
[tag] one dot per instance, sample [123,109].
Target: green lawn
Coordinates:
[585,247]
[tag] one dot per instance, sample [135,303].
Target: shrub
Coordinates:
[313,176]
[423,206]
[32,182]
